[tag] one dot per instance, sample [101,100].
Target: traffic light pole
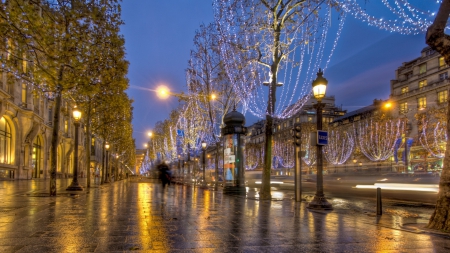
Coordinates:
[298,163]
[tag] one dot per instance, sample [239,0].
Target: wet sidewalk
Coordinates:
[134,215]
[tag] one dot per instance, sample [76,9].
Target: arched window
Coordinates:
[37,157]
[5,142]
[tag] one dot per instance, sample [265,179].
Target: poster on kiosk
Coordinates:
[229,159]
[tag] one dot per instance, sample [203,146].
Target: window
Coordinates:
[442,62]
[50,115]
[422,103]
[409,75]
[422,84]
[443,76]
[403,107]
[422,68]
[10,85]
[310,118]
[5,142]
[405,89]
[24,93]
[297,119]
[442,96]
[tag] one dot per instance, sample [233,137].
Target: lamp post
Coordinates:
[116,172]
[75,186]
[319,88]
[204,144]
[179,166]
[107,170]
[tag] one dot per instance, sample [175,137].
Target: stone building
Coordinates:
[25,134]
[420,85]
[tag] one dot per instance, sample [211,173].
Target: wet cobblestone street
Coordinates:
[134,215]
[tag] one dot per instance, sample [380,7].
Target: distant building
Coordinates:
[420,85]
[282,127]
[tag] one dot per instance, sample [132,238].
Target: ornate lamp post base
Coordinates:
[320,203]
[74,186]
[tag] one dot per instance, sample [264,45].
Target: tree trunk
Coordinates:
[55,140]
[216,170]
[103,177]
[88,145]
[439,41]
[265,184]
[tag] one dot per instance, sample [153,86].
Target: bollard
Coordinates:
[379,209]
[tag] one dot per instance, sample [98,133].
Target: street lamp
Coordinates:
[204,144]
[75,186]
[116,172]
[107,170]
[319,89]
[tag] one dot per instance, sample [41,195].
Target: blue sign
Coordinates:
[322,137]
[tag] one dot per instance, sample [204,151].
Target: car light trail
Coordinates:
[403,187]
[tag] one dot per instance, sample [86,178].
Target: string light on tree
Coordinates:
[340,146]
[376,137]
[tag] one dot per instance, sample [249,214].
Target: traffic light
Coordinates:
[297,134]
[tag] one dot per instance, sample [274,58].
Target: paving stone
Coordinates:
[136,216]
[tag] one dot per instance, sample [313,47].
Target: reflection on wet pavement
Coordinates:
[135,215]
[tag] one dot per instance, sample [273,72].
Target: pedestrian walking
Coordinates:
[164,174]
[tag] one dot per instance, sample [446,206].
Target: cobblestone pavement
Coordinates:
[134,215]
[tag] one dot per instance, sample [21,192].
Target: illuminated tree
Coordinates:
[340,146]
[254,153]
[264,42]
[376,136]
[433,131]
[208,86]
[285,152]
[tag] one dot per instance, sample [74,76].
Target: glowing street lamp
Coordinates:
[319,89]
[204,144]
[107,170]
[162,92]
[75,186]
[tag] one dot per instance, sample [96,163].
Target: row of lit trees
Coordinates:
[74,52]
[257,41]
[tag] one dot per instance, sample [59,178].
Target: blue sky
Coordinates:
[159,36]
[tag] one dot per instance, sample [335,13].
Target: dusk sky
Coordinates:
[159,36]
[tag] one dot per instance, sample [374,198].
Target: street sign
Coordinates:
[322,137]
[180,132]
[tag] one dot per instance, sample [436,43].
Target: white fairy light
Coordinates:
[376,138]
[433,137]
[340,146]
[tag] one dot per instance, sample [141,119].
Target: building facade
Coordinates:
[420,87]
[26,115]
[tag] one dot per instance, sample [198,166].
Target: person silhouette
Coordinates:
[164,174]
